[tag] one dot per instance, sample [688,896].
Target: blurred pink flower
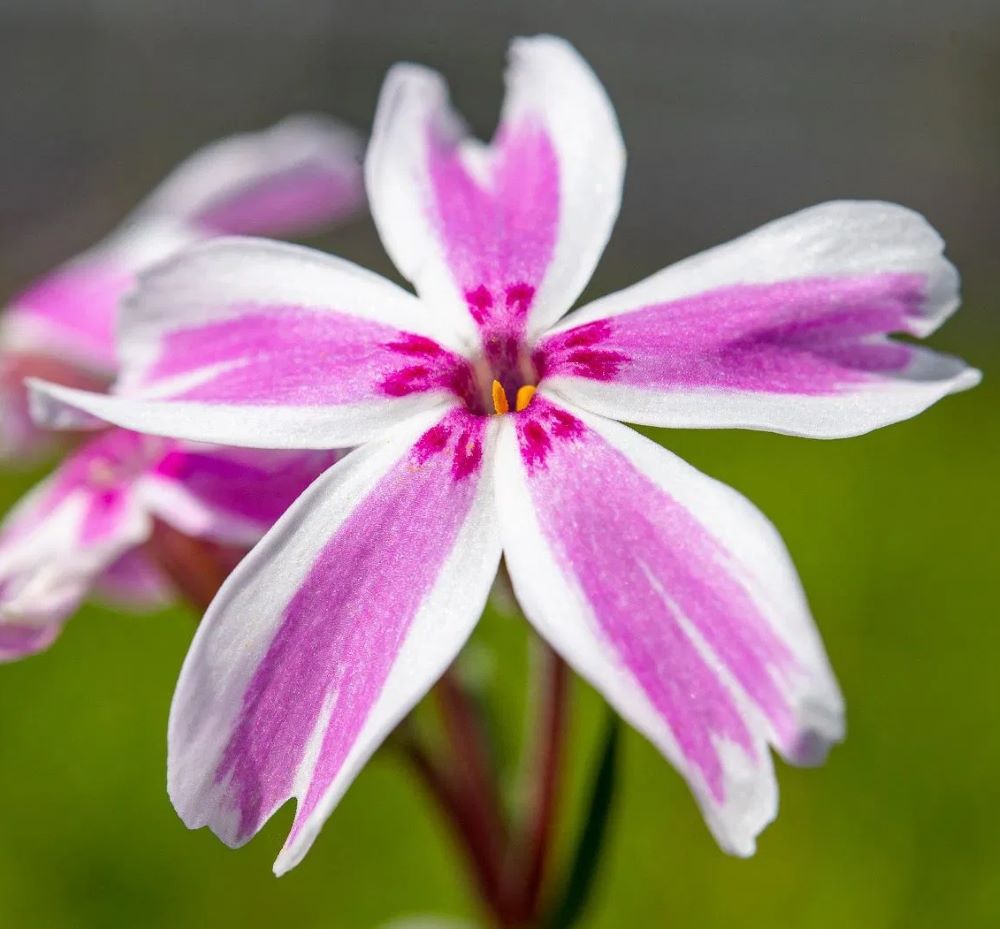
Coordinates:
[86,526]
[295,177]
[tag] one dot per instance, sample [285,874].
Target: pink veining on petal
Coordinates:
[341,633]
[79,303]
[306,357]
[498,231]
[812,336]
[644,563]
[296,200]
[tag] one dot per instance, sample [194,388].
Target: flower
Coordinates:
[482,417]
[294,177]
[86,526]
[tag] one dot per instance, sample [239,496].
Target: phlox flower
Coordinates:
[295,177]
[86,526]
[485,423]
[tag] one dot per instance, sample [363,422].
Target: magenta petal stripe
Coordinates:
[134,582]
[241,492]
[679,603]
[18,641]
[294,355]
[56,544]
[302,197]
[498,231]
[814,336]
[300,174]
[332,628]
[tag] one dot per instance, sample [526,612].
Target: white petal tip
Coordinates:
[289,858]
[969,378]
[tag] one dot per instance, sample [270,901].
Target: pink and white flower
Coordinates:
[85,527]
[668,591]
[293,178]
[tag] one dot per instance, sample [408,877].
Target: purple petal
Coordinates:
[19,641]
[332,628]
[70,529]
[784,329]
[231,496]
[504,236]
[134,582]
[253,343]
[675,597]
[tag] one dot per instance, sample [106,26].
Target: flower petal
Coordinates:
[228,495]
[332,628]
[295,177]
[133,581]
[254,343]
[496,234]
[301,173]
[19,641]
[70,313]
[22,441]
[784,329]
[61,537]
[674,597]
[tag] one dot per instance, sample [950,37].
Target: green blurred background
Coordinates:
[732,116]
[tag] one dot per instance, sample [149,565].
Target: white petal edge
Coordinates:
[860,409]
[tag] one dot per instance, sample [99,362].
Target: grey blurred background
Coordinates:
[733,112]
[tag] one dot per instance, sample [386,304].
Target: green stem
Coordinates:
[583,871]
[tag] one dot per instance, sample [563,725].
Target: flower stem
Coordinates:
[195,567]
[454,807]
[474,768]
[531,850]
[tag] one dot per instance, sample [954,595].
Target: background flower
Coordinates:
[92,525]
[295,178]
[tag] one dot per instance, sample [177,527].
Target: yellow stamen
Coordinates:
[524,395]
[500,403]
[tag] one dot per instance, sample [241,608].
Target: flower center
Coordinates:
[117,457]
[503,378]
[521,400]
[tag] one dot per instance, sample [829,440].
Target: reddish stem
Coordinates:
[474,767]
[195,567]
[531,853]
[450,800]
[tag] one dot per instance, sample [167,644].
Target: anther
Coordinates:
[524,395]
[500,403]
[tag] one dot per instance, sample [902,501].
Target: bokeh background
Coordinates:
[733,113]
